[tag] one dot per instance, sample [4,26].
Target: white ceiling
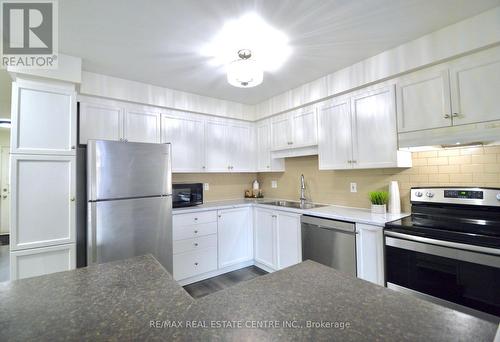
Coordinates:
[158,42]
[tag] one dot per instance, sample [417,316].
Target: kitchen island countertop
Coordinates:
[137,299]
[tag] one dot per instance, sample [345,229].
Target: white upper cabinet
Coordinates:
[358,130]
[43,200]
[265,163]
[141,126]
[281,132]
[43,118]
[475,84]
[235,240]
[216,158]
[240,145]
[294,129]
[229,147]
[187,136]
[100,122]
[423,100]
[374,139]
[334,134]
[304,127]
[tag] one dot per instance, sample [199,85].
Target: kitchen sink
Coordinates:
[293,204]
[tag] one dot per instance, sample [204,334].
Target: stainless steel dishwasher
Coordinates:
[329,242]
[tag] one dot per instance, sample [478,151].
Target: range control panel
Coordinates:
[466,194]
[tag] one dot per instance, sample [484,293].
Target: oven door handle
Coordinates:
[443,249]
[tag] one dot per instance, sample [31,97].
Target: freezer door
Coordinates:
[126,228]
[126,170]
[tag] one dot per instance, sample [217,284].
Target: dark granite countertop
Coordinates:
[118,301]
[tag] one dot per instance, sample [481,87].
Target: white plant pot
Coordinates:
[379,208]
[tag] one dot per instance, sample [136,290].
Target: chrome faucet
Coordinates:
[302,190]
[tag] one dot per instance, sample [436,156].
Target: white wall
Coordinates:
[5,94]
[132,91]
[463,37]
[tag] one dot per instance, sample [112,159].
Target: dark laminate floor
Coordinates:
[211,285]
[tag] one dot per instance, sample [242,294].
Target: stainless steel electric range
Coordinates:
[448,250]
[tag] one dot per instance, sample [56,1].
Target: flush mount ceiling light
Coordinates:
[244,72]
[247,47]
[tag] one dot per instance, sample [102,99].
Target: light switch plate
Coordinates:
[206,186]
[354,187]
[274,184]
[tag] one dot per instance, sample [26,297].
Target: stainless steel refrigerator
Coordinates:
[129,188]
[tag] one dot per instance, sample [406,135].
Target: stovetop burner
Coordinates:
[466,215]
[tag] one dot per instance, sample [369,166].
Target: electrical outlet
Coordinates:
[274,184]
[354,187]
[206,186]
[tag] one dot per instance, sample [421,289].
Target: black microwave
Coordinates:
[187,194]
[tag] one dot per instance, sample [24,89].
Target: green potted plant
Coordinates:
[379,201]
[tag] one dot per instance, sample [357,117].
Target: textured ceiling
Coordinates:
[159,42]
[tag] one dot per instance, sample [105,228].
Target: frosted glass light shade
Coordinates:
[244,73]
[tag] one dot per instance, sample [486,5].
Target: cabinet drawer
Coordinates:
[195,244]
[194,218]
[195,230]
[194,263]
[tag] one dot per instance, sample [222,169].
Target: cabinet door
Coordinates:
[187,138]
[142,126]
[288,240]
[263,147]
[234,236]
[475,82]
[39,261]
[305,127]
[216,156]
[264,237]
[100,122]
[240,142]
[264,161]
[334,130]
[43,201]
[281,132]
[370,253]
[43,118]
[374,129]
[423,100]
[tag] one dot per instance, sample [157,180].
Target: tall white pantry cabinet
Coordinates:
[43,177]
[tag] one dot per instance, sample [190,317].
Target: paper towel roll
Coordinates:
[394,198]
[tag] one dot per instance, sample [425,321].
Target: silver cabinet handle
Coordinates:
[220,216]
[447,116]
[203,167]
[4,196]
[196,219]
[73,147]
[196,264]
[354,161]
[196,232]
[72,199]
[454,115]
[196,244]
[349,161]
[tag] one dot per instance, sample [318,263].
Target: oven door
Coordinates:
[187,195]
[445,272]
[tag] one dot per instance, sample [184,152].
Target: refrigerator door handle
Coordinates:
[91,233]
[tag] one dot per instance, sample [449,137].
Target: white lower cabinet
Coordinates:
[39,261]
[234,236]
[277,237]
[194,244]
[193,263]
[370,253]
